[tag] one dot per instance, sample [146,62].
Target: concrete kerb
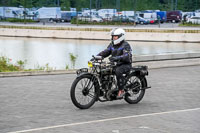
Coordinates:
[170,63]
[167,56]
[152,61]
[154,35]
[35,73]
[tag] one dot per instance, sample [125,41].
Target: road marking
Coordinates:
[104,120]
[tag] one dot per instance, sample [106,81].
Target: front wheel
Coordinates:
[83,91]
[135,89]
[51,20]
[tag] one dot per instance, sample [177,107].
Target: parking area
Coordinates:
[42,104]
[164,25]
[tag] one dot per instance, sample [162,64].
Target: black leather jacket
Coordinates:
[121,51]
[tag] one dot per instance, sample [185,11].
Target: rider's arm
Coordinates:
[126,57]
[106,52]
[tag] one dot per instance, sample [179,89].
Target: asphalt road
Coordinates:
[41,104]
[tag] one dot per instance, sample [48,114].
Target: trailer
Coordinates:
[11,12]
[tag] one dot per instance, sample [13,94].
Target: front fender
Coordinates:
[84,73]
[93,78]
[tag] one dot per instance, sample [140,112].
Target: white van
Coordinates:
[49,13]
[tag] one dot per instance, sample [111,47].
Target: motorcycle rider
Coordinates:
[120,52]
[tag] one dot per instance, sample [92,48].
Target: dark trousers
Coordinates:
[119,71]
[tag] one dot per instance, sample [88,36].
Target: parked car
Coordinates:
[194,20]
[152,21]
[142,20]
[123,19]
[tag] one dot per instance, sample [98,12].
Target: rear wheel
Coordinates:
[135,91]
[83,92]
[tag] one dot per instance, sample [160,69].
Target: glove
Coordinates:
[114,59]
[92,59]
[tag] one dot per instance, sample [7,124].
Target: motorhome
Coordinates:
[127,13]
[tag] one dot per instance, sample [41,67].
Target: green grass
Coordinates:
[189,25]
[18,20]
[6,66]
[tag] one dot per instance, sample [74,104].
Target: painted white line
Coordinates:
[104,120]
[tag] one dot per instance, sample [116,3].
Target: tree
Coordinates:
[65,4]
[165,5]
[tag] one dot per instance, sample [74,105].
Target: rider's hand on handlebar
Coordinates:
[92,59]
[114,59]
[96,58]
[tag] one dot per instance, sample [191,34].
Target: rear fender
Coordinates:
[139,71]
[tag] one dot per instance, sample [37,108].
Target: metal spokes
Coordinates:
[85,91]
[135,85]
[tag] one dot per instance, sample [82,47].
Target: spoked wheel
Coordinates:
[135,91]
[83,91]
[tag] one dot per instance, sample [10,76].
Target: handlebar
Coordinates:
[99,60]
[97,57]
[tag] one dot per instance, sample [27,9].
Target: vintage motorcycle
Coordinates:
[99,83]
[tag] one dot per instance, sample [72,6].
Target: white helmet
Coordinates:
[118,32]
